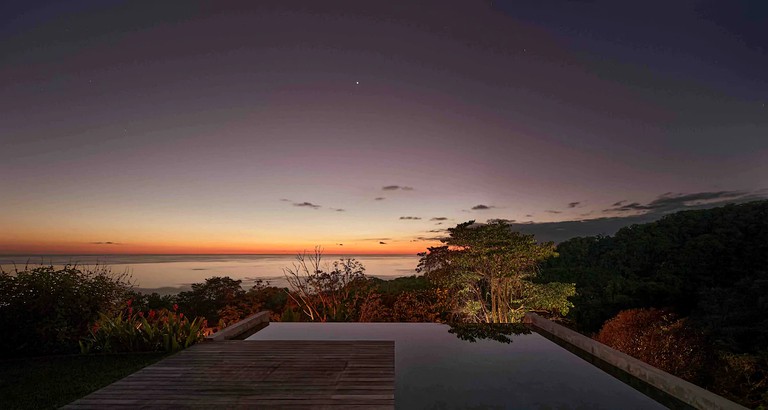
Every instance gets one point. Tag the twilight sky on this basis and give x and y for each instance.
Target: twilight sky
(368, 127)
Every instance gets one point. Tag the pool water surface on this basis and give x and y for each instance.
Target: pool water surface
(437, 369)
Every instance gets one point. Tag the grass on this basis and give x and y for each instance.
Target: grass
(53, 381)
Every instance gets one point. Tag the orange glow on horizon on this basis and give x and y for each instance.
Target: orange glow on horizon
(65, 248)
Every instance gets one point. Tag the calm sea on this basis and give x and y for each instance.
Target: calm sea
(168, 273)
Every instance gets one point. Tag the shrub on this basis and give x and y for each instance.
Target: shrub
(372, 309)
(209, 298)
(430, 305)
(659, 338)
(47, 310)
(742, 378)
(151, 301)
(129, 331)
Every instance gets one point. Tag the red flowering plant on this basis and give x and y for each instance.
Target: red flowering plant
(135, 331)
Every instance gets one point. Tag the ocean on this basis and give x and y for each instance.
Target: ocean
(173, 273)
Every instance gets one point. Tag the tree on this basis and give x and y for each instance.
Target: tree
(489, 270)
(327, 293)
(210, 299)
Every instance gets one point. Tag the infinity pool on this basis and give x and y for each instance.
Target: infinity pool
(437, 369)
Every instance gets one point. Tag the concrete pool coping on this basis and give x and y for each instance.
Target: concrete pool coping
(674, 386)
(241, 329)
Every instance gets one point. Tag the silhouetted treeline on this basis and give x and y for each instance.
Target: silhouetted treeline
(710, 265)
(224, 301)
(705, 272)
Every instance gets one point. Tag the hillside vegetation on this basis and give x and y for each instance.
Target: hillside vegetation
(705, 272)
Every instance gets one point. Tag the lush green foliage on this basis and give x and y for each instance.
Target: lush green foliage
(135, 331)
(489, 271)
(47, 310)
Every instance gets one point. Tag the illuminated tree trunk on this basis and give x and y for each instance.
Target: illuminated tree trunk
(494, 310)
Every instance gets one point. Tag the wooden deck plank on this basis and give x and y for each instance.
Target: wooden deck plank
(241, 374)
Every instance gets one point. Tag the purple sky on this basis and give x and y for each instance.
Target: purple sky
(199, 127)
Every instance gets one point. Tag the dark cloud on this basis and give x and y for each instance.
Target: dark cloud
(500, 220)
(643, 213)
(396, 187)
(382, 243)
(439, 218)
(338, 210)
(429, 238)
(377, 239)
(410, 218)
(339, 244)
(482, 207)
(553, 212)
(439, 223)
(436, 231)
(634, 206)
(672, 202)
(573, 204)
(529, 216)
(306, 205)
(380, 198)
(620, 203)
(104, 243)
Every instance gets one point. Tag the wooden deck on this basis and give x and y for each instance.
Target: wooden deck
(260, 374)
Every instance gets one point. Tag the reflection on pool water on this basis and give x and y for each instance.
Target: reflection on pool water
(436, 369)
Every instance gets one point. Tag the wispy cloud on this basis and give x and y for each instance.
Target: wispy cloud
(379, 198)
(482, 207)
(439, 218)
(573, 204)
(396, 187)
(338, 210)
(551, 211)
(620, 203)
(382, 243)
(410, 218)
(104, 243)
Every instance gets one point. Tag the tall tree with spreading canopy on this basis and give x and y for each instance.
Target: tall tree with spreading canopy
(490, 270)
